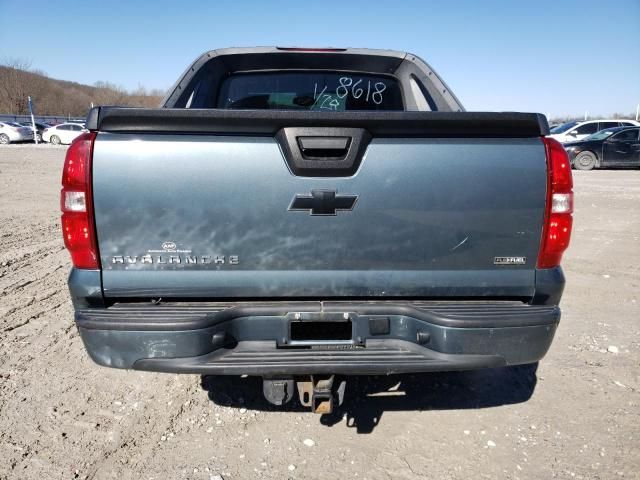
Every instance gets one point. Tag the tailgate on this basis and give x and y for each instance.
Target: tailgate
(228, 215)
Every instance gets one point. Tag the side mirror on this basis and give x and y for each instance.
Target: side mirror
(573, 133)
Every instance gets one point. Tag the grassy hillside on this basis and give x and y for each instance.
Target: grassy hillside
(60, 97)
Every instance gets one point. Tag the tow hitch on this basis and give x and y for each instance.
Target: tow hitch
(320, 392)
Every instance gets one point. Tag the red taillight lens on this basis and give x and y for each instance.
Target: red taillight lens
(77, 205)
(556, 231)
(78, 238)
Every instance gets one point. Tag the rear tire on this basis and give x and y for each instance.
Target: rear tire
(55, 140)
(585, 161)
(4, 139)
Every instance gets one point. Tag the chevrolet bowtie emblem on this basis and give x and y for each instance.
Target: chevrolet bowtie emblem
(322, 202)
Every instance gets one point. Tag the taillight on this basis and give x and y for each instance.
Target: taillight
(556, 231)
(77, 205)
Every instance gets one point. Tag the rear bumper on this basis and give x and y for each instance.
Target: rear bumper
(255, 339)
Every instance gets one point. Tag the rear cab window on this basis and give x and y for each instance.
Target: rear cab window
(315, 91)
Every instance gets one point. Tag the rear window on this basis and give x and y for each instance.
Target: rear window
(321, 91)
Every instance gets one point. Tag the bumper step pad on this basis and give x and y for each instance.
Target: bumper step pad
(379, 357)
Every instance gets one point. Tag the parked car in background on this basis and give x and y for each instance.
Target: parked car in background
(64, 133)
(612, 147)
(572, 131)
(40, 127)
(14, 132)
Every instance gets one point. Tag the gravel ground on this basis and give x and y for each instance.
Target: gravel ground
(576, 416)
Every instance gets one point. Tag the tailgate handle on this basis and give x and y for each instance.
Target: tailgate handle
(323, 151)
(324, 147)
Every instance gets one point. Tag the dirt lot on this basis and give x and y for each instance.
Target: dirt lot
(61, 416)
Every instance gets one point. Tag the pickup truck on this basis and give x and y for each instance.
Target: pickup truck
(303, 215)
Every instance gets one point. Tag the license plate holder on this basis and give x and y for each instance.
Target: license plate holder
(320, 329)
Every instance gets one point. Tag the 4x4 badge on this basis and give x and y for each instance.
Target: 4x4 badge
(322, 202)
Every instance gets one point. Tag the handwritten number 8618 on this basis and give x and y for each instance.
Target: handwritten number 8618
(346, 83)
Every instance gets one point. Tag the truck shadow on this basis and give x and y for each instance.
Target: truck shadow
(367, 398)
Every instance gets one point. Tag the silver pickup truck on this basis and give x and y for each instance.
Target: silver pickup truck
(307, 214)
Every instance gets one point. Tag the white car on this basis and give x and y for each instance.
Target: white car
(14, 132)
(63, 133)
(573, 131)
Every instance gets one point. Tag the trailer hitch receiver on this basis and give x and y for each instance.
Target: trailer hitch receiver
(321, 393)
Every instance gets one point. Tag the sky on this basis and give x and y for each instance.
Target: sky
(554, 57)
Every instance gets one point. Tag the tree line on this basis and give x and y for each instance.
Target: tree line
(59, 97)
